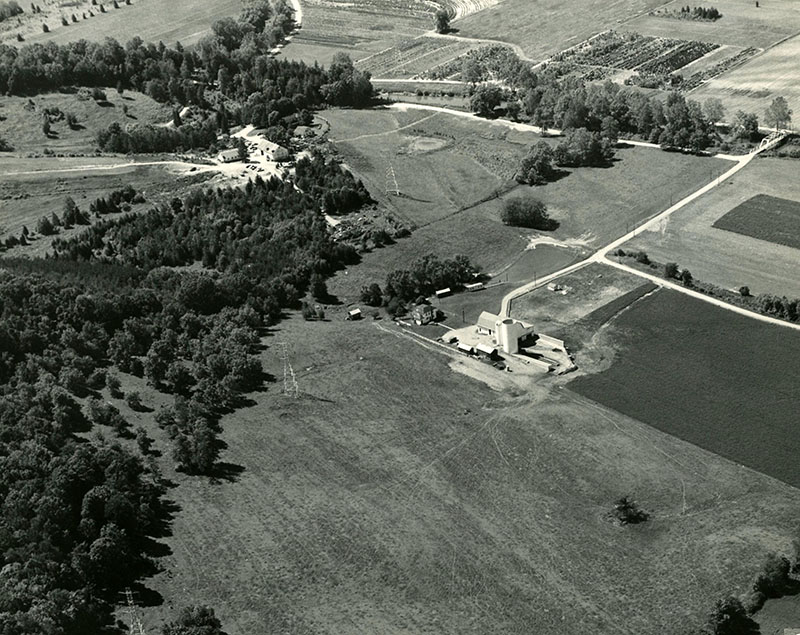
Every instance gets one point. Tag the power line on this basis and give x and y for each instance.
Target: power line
(136, 627)
(290, 386)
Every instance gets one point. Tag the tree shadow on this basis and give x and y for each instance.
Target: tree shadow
(104, 103)
(225, 471)
(412, 198)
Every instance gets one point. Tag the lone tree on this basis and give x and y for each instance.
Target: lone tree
(729, 617)
(537, 167)
(442, 21)
(627, 512)
(527, 212)
(778, 115)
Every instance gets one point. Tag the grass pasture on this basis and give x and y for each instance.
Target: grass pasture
(184, 21)
(717, 379)
(722, 257)
(21, 123)
(549, 26)
(742, 23)
(776, 220)
(752, 86)
(465, 511)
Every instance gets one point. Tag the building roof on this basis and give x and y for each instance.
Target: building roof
(487, 320)
(230, 154)
(485, 348)
(354, 311)
(465, 347)
(444, 291)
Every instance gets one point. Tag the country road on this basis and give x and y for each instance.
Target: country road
(602, 255)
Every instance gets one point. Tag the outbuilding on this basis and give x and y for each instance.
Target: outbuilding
(466, 348)
(443, 293)
(488, 351)
(354, 314)
(228, 156)
(474, 286)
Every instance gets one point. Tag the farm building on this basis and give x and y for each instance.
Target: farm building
(443, 293)
(354, 314)
(423, 314)
(272, 150)
(506, 332)
(475, 286)
(466, 348)
(228, 156)
(488, 351)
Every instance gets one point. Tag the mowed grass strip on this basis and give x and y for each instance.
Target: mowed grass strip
(717, 379)
(776, 220)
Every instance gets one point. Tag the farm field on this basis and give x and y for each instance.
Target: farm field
(21, 119)
(722, 257)
(688, 368)
(455, 514)
(413, 57)
(184, 21)
(360, 29)
(752, 86)
(742, 23)
(776, 220)
(550, 26)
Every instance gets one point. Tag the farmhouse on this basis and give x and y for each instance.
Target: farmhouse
(506, 332)
(273, 151)
(423, 314)
(228, 156)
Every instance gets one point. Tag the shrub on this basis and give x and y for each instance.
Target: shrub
(372, 295)
(671, 270)
(627, 512)
(114, 385)
(744, 291)
(134, 401)
(527, 212)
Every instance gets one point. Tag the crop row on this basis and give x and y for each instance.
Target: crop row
(413, 57)
(678, 57)
(693, 81)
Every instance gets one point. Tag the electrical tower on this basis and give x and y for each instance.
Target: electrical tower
(391, 181)
(133, 615)
(290, 386)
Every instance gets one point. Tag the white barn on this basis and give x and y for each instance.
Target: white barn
(506, 332)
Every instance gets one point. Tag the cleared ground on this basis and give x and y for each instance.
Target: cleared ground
(25, 198)
(712, 377)
(776, 220)
(723, 257)
(184, 21)
(742, 23)
(21, 119)
(546, 27)
(754, 85)
(464, 511)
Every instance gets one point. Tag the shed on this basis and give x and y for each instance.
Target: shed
(443, 293)
(354, 314)
(475, 286)
(489, 351)
(228, 156)
(466, 348)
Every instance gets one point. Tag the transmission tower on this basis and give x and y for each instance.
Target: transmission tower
(290, 386)
(133, 615)
(391, 181)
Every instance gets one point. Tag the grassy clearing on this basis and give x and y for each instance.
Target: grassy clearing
(752, 86)
(776, 220)
(24, 199)
(604, 203)
(463, 511)
(552, 25)
(588, 289)
(184, 21)
(742, 23)
(21, 120)
(712, 377)
(724, 258)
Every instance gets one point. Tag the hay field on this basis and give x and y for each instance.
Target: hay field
(752, 86)
(722, 257)
(545, 27)
(742, 23)
(184, 21)
(463, 511)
